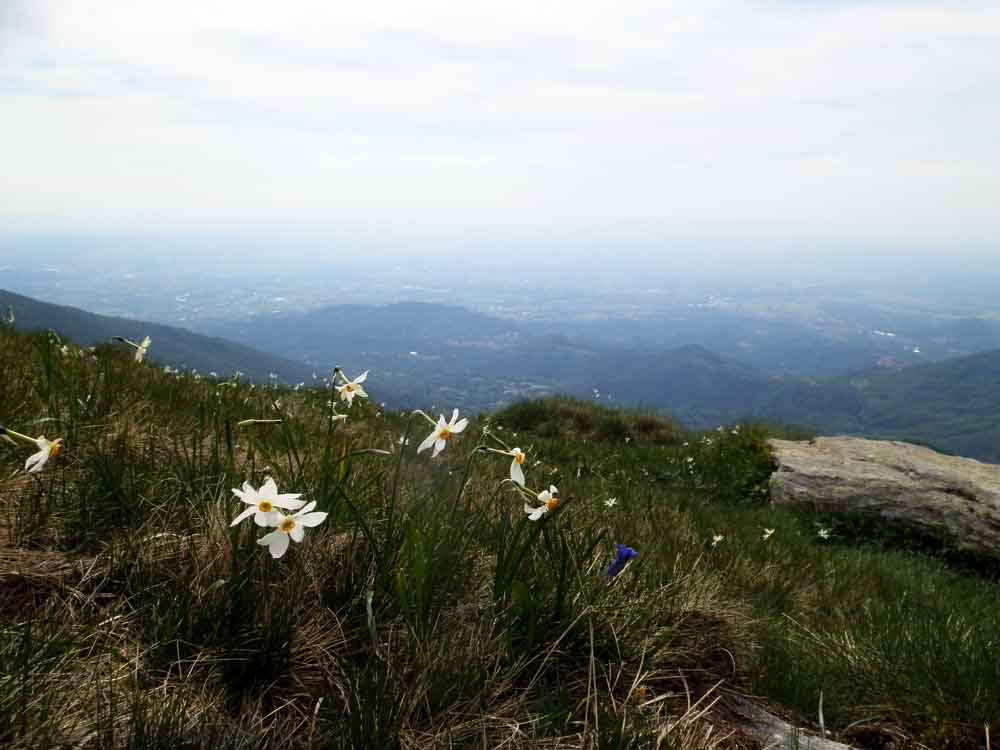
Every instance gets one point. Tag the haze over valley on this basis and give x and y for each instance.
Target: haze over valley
(781, 313)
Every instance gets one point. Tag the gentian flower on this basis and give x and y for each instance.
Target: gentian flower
(290, 526)
(264, 503)
(622, 555)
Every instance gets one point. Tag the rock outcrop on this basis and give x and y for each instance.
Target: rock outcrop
(955, 500)
(776, 734)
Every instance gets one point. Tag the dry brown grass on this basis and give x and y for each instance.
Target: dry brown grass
(669, 689)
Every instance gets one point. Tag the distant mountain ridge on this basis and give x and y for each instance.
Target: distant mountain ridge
(174, 346)
(440, 356)
(841, 343)
(428, 354)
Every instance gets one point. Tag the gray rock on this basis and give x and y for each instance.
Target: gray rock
(956, 500)
(775, 734)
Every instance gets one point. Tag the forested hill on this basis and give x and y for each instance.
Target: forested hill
(170, 346)
(952, 405)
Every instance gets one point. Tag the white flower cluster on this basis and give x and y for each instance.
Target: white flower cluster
(264, 507)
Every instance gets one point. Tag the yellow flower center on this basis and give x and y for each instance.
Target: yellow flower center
(519, 457)
(54, 450)
(287, 525)
(552, 502)
(349, 387)
(445, 433)
(265, 506)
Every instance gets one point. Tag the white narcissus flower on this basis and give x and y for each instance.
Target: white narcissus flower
(516, 472)
(824, 533)
(611, 502)
(443, 432)
(264, 503)
(46, 449)
(767, 534)
(352, 388)
(293, 526)
(549, 499)
(140, 350)
(716, 538)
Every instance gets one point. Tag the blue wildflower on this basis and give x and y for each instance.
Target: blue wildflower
(622, 555)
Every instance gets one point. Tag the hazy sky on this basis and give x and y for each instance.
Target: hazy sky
(871, 121)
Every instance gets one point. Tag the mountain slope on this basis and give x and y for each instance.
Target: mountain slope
(174, 346)
(953, 405)
(416, 604)
(427, 354)
(696, 386)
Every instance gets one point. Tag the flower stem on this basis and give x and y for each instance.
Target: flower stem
(26, 438)
(425, 416)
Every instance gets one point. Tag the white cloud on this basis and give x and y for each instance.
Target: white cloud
(857, 120)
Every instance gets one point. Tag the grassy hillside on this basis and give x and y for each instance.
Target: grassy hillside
(171, 346)
(427, 610)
